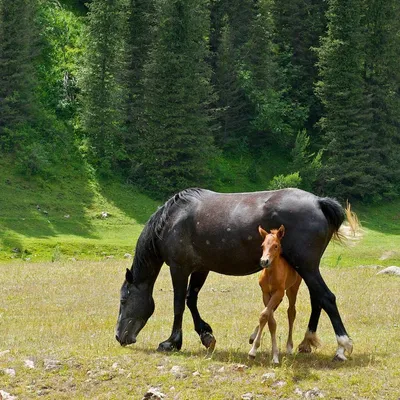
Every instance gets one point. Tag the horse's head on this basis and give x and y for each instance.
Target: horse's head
(271, 245)
(137, 306)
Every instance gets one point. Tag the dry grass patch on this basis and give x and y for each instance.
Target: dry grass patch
(59, 318)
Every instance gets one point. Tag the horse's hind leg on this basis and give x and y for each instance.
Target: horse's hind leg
(204, 330)
(327, 300)
(310, 338)
(179, 282)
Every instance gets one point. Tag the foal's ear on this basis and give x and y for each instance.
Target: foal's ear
(129, 276)
(281, 232)
(262, 232)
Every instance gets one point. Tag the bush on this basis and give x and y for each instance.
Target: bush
(285, 181)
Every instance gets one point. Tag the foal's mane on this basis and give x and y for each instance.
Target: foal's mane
(146, 247)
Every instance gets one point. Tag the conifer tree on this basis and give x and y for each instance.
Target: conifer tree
(137, 31)
(350, 159)
(18, 50)
(176, 141)
(101, 118)
(382, 80)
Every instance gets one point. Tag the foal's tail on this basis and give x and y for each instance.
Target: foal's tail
(336, 214)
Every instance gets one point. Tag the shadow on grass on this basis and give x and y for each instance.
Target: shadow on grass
(301, 364)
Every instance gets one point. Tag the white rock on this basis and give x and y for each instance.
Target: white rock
(247, 396)
(313, 394)
(4, 352)
(268, 376)
(6, 396)
(279, 384)
(10, 372)
(29, 364)
(393, 270)
(178, 372)
(153, 394)
(196, 373)
(50, 365)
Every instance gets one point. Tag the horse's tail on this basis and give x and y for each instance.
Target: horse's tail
(336, 214)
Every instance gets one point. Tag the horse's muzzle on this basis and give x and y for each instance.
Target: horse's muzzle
(264, 263)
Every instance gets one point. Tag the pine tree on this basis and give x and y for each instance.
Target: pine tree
(382, 79)
(299, 24)
(176, 142)
(18, 50)
(137, 32)
(350, 159)
(101, 118)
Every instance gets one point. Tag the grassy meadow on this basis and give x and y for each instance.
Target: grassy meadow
(57, 335)
(61, 267)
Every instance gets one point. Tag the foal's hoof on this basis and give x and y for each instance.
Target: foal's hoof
(168, 346)
(208, 340)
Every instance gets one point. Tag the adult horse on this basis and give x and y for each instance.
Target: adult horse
(197, 231)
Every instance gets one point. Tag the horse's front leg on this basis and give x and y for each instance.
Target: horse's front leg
(204, 330)
(179, 281)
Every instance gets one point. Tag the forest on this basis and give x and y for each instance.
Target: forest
(155, 91)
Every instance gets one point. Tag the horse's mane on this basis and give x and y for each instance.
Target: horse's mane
(146, 247)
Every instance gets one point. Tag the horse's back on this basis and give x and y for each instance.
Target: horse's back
(219, 232)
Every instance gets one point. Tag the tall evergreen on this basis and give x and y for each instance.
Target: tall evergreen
(176, 141)
(137, 31)
(101, 94)
(382, 80)
(18, 51)
(350, 158)
(299, 24)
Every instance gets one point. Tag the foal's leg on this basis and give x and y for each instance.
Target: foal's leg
(327, 300)
(291, 294)
(273, 303)
(272, 330)
(204, 330)
(179, 282)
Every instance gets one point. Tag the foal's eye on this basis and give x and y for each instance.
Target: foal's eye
(276, 246)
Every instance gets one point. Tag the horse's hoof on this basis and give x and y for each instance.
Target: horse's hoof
(339, 357)
(251, 356)
(167, 346)
(304, 349)
(208, 340)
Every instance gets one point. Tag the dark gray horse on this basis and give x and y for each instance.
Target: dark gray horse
(197, 231)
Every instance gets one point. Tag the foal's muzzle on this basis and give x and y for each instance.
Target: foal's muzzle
(264, 263)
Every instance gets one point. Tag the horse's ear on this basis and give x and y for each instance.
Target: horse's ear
(263, 233)
(129, 276)
(281, 232)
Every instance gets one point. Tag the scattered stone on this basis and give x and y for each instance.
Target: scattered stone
(115, 365)
(298, 392)
(153, 394)
(16, 250)
(104, 214)
(393, 270)
(109, 257)
(278, 384)
(128, 255)
(268, 376)
(9, 372)
(247, 396)
(196, 373)
(313, 394)
(4, 352)
(67, 216)
(29, 364)
(178, 372)
(239, 367)
(388, 254)
(221, 370)
(6, 396)
(51, 365)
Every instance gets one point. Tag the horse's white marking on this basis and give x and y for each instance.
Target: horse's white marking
(345, 344)
(228, 229)
(249, 237)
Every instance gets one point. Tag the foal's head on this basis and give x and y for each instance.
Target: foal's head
(271, 245)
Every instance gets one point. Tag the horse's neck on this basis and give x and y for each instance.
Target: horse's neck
(144, 272)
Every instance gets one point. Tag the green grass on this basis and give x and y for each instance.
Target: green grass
(66, 312)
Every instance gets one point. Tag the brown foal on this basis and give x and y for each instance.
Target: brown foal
(276, 277)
